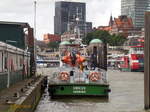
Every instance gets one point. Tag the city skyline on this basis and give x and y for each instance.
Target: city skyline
(98, 12)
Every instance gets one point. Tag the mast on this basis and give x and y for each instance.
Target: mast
(68, 25)
(77, 29)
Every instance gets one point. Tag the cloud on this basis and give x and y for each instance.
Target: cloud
(98, 12)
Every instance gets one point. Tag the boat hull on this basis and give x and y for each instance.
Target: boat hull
(79, 90)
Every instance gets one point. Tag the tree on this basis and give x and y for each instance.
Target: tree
(102, 35)
(117, 40)
(88, 38)
(97, 34)
(113, 40)
(54, 45)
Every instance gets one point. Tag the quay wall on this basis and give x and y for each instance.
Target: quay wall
(29, 102)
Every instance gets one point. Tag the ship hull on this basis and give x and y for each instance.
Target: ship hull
(79, 90)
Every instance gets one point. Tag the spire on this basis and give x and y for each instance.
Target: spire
(111, 20)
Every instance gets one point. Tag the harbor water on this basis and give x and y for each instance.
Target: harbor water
(127, 95)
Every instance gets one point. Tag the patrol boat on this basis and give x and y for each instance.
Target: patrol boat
(80, 75)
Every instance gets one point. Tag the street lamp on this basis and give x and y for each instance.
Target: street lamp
(8, 71)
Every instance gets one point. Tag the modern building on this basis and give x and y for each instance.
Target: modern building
(88, 27)
(51, 38)
(135, 9)
(66, 15)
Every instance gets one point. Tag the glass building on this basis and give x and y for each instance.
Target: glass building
(66, 14)
(135, 9)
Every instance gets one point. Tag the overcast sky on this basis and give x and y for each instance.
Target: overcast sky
(98, 12)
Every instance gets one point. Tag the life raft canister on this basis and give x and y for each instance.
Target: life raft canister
(64, 76)
(94, 76)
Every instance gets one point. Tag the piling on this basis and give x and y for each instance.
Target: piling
(147, 62)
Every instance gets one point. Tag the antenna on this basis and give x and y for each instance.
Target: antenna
(77, 24)
(68, 25)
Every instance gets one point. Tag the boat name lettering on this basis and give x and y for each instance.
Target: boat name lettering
(79, 89)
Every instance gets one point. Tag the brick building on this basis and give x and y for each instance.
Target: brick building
(122, 25)
(105, 28)
(51, 38)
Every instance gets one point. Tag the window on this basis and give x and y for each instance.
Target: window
(1, 63)
(5, 63)
(21, 62)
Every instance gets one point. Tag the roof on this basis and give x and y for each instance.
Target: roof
(95, 41)
(105, 28)
(70, 2)
(9, 47)
(65, 43)
(23, 24)
(123, 22)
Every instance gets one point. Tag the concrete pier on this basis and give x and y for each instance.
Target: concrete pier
(22, 97)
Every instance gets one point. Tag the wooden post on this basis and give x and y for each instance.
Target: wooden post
(147, 62)
(31, 44)
(105, 56)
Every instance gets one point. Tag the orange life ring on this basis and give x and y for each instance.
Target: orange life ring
(94, 76)
(64, 76)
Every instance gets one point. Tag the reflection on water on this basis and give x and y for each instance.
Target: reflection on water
(70, 104)
(127, 95)
(81, 100)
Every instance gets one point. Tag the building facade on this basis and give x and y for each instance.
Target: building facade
(18, 32)
(66, 14)
(135, 9)
(51, 38)
(67, 36)
(122, 25)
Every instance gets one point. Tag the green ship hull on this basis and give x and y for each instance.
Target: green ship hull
(79, 90)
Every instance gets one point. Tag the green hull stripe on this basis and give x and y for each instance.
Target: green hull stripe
(79, 89)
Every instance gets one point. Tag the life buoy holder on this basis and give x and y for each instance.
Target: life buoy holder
(64, 76)
(94, 76)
